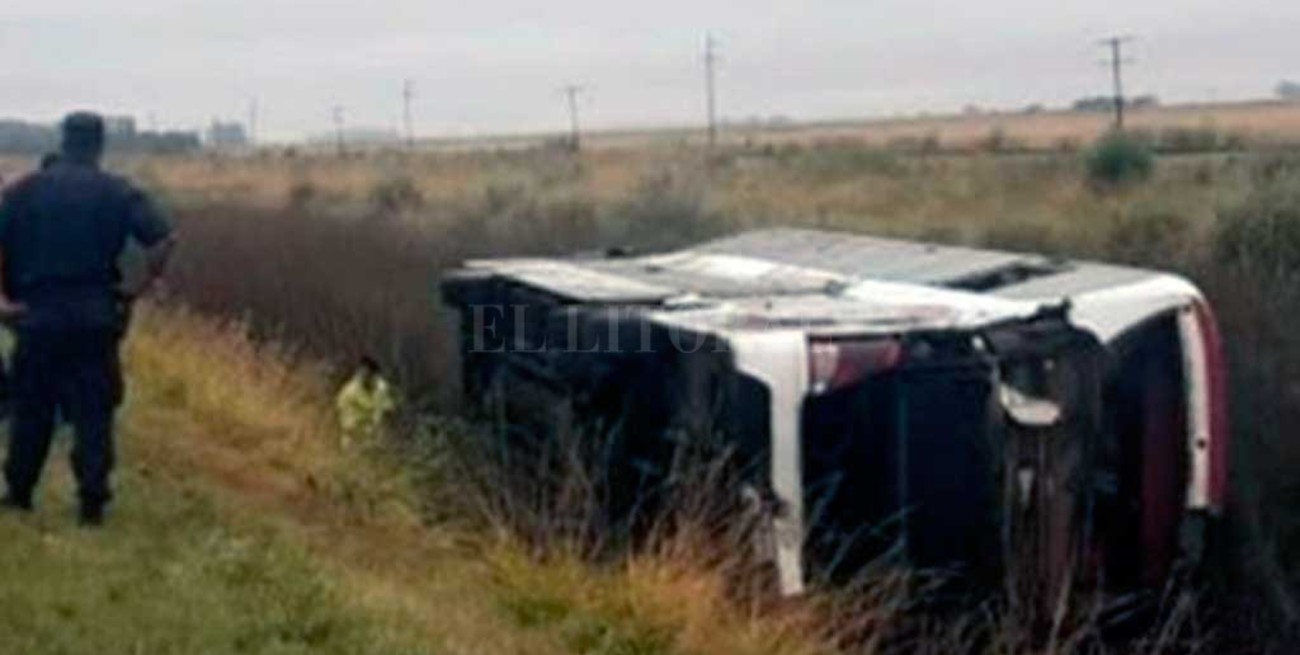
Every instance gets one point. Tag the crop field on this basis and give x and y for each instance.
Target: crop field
(1184, 126)
(1255, 122)
(331, 257)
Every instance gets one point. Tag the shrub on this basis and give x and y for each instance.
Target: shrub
(1022, 235)
(1262, 233)
(1197, 140)
(1066, 144)
(1205, 174)
(1189, 139)
(1151, 235)
(997, 141)
(531, 220)
(837, 160)
(339, 288)
(668, 208)
(1119, 158)
(1252, 281)
(395, 195)
(928, 143)
(1276, 166)
(302, 194)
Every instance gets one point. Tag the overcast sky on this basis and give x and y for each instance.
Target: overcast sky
(490, 66)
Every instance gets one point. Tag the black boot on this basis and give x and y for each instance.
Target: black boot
(91, 515)
(17, 502)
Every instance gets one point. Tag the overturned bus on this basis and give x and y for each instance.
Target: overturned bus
(1006, 416)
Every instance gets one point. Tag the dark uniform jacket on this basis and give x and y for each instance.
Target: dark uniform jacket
(63, 231)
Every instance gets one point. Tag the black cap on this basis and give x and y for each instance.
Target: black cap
(83, 133)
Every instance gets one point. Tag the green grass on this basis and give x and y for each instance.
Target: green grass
(171, 574)
(583, 630)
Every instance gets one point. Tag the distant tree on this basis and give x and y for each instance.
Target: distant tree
(1106, 104)
(1095, 103)
(1288, 90)
(1144, 102)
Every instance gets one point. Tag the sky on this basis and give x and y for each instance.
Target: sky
(495, 66)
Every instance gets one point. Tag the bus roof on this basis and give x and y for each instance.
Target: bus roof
(790, 262)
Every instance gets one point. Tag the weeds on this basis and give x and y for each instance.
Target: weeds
(668, 208)
(395, 195)
(1147, 230)
(1262, 235)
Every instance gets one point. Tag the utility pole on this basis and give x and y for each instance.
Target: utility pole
(408, 95)
(1117, 60)
(338, 129)
(710, 86)
(572, 92)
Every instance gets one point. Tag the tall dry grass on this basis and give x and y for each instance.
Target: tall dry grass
(358, 275)
(217, 410)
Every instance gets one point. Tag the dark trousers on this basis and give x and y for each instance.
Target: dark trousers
(73, 373)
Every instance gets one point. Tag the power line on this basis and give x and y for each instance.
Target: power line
(711, 59)
(1117, 60)
(572, 92)
(408, 124)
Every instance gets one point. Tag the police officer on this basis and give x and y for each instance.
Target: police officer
(62, 231)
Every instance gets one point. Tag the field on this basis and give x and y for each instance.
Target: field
(330, 257)
(1254, 122)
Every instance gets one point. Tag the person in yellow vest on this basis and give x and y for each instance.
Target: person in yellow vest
(365, 404)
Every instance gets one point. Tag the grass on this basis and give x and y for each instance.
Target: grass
(243, 526)
(172, 575)
(236, 530)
